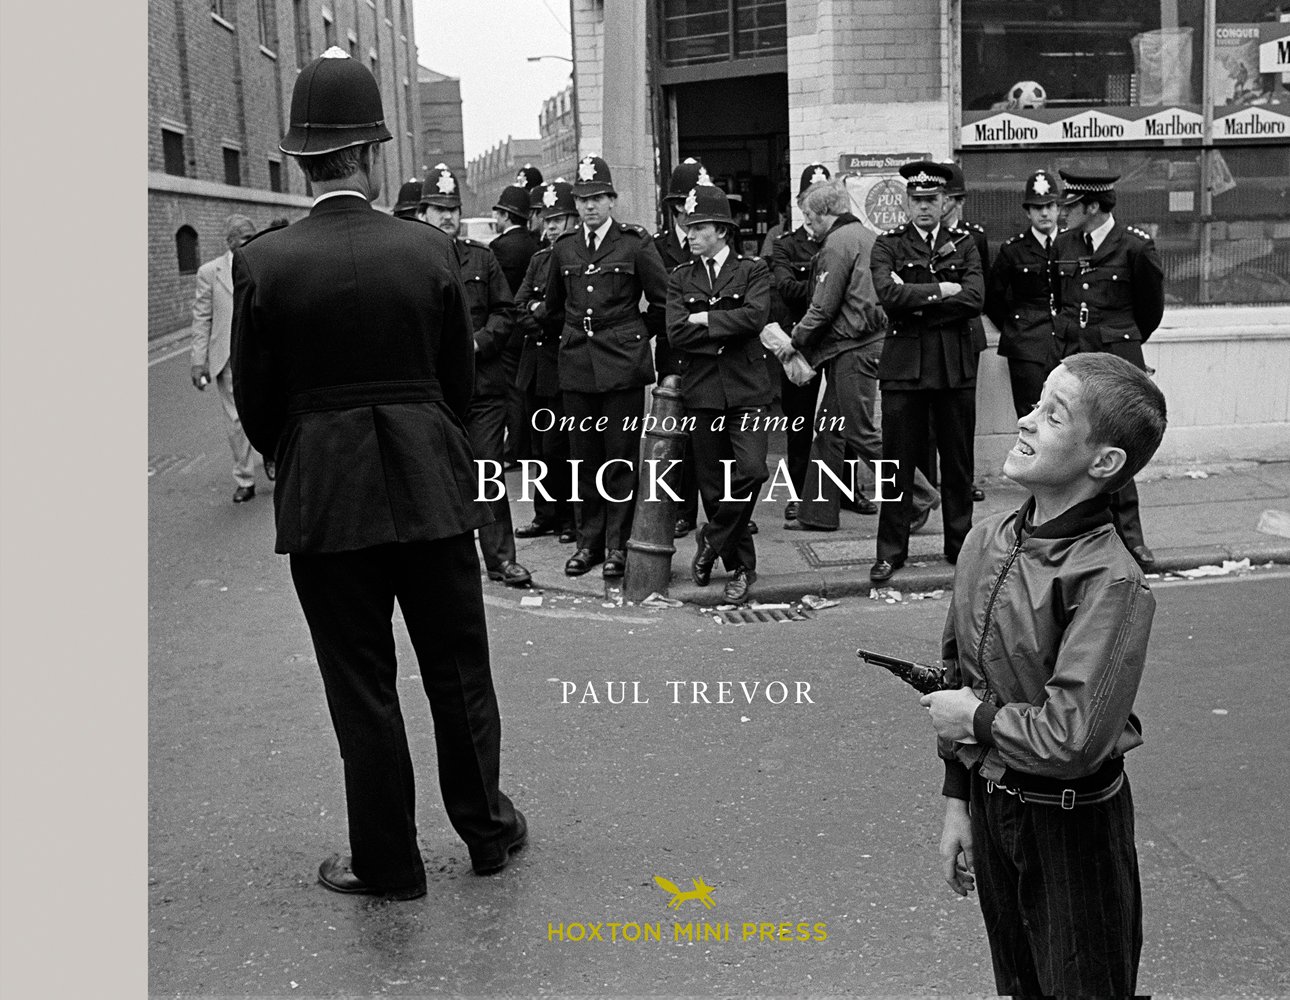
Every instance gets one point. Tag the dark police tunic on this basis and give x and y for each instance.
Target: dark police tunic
(1019, 301)
(1111, 300)
(927, 373)
(792, 257)
(513, 250)
(355, 375)
(605, 361)
(673, 254)
(724, 374)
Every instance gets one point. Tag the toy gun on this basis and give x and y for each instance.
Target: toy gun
(919, 676)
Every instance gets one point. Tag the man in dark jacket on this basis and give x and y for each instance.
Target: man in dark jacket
(514, 246)
(928, 279)
(356, 375)
(490, 301)
(842, 335)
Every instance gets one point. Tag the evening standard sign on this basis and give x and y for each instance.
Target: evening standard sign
(1089, 125)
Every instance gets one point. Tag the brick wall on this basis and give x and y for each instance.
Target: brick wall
(588, 54)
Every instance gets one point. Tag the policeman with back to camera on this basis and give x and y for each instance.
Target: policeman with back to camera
(791, 258)
(1019, 295)
(490, 302)
(928, 279)
(673, 245)
(1109, 290)
(717, 304)
(355, 374)
(409, 200)
(514, 246)
(539, 374)
(598, 274)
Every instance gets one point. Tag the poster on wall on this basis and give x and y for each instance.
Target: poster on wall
(877, 190)
(1248, 70)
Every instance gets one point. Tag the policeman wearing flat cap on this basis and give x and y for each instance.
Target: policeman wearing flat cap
(1019, 294)
(409, 200)
(599, 272)
(792, 256)
(539, 371)
(1109, 288)
(488, 296)
(673, 245)
(928, 278)
(717, 304)
(356, 375)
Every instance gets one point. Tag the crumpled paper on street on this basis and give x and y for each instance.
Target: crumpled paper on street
(775, 340)
(817, 603)
(1229, 566)
(1274, 522)
(657, 600)
(927, 595)
(889, 594)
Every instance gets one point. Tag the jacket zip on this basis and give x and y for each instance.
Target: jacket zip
(989, 609)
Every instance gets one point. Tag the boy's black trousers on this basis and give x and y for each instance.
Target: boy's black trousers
(1059, 893)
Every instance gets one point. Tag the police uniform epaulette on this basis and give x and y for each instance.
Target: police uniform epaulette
(1138, 232)
(1013, 239)
(898, 230)
(631, 227)
(565, 236)
(679, 266)
(474, 243)
(972, 225)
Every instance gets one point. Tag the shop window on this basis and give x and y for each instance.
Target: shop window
(706, 31)
(1030, 55)
(186, 250)
(1249, 258)
(1250, 72)
(172, 149)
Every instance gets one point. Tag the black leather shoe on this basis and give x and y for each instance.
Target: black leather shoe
(704, 556)
(790, 511)
(494, 863)
(243, 493)
(581, 561)
(683, 527)
(861, 505)
(568, 534)
(882, 570)
(512, 574)
(752, 528)
(615, 564)
(737, 586)
(1145, 557)
(803, 526)
(535, 529)
(270, 469)
(978, 494)
(335, 873)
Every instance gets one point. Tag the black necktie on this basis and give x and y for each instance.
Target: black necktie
(591, 241)
(685, 245)
(712, 273)
(1048, 246)
(1088, 243)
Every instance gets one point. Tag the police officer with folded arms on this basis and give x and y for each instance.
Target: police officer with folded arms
(514, 246)
(1019, 295)
(490, 302)
(356, 373)
(717, 304)
(599, 272)
(791, 258)
(539, 371)
(928, 278)
(1109, 287)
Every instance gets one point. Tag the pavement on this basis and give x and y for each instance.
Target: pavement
(1193, 516)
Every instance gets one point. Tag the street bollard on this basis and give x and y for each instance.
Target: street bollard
(650, 549)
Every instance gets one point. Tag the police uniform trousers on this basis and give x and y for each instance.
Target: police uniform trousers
(519, 431)
(486, 428)
(602, 523)
(907, 415)
(1060, 893)
(745, 443)
(798, 403)
(846, 429)
(348, 600)
(551, 447)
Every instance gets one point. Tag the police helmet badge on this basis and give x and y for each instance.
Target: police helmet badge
(549, 197)
(587, 169)
(692, 201)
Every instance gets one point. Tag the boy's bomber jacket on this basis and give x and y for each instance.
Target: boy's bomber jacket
(1048, 626)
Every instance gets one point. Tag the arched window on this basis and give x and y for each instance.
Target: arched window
(186, 250)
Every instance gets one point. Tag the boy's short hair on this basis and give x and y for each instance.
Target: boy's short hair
(1125, 409)
(830, 198)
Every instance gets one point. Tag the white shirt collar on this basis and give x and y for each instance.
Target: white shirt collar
(934, 233)
(1041, 237)
(1099, 234)
(720, 257)
(338, 194)
(600, 232)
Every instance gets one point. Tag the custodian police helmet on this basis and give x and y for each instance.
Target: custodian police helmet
(528, 177)
(514, 200)
(815, 173)
(556, 199)
(441, 188)
(708, 203)
(335, 104)
(685, 175)
(593, 178)
(1041, 189)
(409, 195)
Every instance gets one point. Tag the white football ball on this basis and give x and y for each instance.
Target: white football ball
(1026, 94)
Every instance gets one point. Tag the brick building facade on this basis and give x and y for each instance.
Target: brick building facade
(489, 172)
(559, 134)
(220, 74)
(441, 129)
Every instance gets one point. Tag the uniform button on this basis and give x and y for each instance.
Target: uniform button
(1016, 316)
(1086, 286)
(592, 288)
(1115, 277)
(588, 312)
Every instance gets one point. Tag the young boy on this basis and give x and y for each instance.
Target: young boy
(1047, 635)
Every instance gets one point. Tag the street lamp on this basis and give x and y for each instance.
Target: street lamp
(539, 58)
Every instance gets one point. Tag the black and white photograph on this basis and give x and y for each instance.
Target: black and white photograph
(680, 498)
